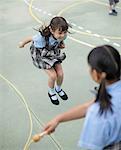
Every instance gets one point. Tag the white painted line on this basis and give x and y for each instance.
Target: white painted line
(26, 2)
(116, 44)
(39, 10)
(44, 12)
(54, 16)
(35, 8)
(97, 35)
(49, 14)
(105, 39)
(80, 27)
(81, 42)
(73, 24)
(88, 31)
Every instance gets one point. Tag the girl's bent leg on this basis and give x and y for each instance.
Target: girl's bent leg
(51, 83)
(52, 77)
(60, 75)
(59, 81)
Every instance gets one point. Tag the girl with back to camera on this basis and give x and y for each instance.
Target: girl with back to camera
(102, 126)
(46, 54)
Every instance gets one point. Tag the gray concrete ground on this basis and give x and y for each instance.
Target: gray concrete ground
(91, 26)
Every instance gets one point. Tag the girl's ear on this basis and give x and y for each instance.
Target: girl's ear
(101, 76)
(96, 75)
(51, 30)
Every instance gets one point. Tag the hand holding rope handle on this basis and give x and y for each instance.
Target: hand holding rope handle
(38, 137)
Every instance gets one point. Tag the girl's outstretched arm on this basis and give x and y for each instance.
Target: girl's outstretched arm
(72, 114)
(25, 41)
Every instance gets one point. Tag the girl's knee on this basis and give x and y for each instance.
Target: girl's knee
(53, 76)
(60, 74)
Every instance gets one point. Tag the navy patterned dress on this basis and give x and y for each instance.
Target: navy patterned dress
(45, 52)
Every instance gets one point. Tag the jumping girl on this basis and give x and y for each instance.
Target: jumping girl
(46, 54)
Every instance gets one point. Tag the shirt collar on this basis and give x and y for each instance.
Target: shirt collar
(114, 85)
(52, 38)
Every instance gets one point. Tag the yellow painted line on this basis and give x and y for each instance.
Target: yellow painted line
(70, 6)
(100, 36)
(102, 3)
(31, 13)
(29, 110)
(26, 106)
(85, 33)
(38, 20)
(56, 143)
(40, 123)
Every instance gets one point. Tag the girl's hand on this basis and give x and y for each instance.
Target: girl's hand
(21, 45)
(61, 46)
(51, 126)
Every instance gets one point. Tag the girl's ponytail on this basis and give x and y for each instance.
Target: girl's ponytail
(103, 98)
(45, 31)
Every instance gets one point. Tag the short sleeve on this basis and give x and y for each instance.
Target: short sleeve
(36, 37)
(95, 133)
(39, 41)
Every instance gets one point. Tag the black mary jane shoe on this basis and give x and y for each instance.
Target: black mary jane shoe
(55, 102)
(113, 13)
(63, 97)
(113, 10)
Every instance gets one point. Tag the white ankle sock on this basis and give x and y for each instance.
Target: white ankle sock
(113, 7)
(52, 92)
(110, 11)
(58, 88)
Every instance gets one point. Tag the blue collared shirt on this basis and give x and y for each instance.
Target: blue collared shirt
(100, 131)
(39, 40)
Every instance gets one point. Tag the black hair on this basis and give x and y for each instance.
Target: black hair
(56, 23)
(105, 59)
